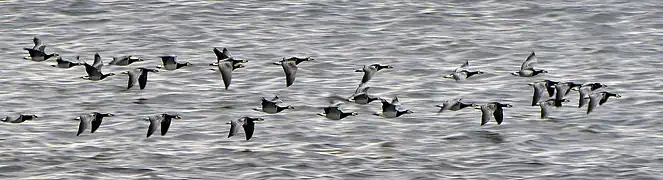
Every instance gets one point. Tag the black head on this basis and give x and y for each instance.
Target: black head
(595, 86)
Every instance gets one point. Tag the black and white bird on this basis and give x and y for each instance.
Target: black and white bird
(599, 98)
(493, 109)
(587, 89)
(545, 106)
(125, 60)
(94, 70)
(271, 106)
(138, 75)
(66, 64)
(290, 68)
(38, 52)
(392, 109)
(453, 105)
(461, 73)
(561, 90)
(361, 95)
(21, 118)
(227, 64)
(527, 68)
(91, 120)
(169, 63)
(370, 70)
(334, 112)
(247, 123)
(163, 121)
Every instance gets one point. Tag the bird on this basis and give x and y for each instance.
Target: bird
(545, 106)
(247, 123)
(290, 68)
(585, 90)
(169, 63)
(599, 98)
(461, 73)
(94, 70)
(140, 75)
(539, 91)
(494, 109)
(93, 119)
(125, 60)
(361, 95)
(392, 109)
(370, 70)
(227, 64)
(38, 53)
(527, 68)
(453, 105)
(21, 118)
(271, 106)
(162, 120)
(562, 89)
(334, 112)
(66, 64)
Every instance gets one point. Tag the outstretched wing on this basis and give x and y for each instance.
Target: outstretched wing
(290, 69)
(154, 124)
(485, 114)
(84, 121)
(133, 77)
(498, 112)
(226, 69)
(529, 63)
(98, 63)
(222, 55)
(234, 127)
(248, 126)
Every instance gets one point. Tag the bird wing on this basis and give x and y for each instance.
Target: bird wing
(154, 124)
(561, 88)
(545, 108)
(604, 99)
(84, 120)
(165, 124)
(41, 48)
(583, 94)
(498, 112)
(248, 126)
(234, 127)
(98, 63)
(168, 60)
(96, 122)
(485, 114)
(37, 42)
(222, 55)
(133, 77)
(91, 70)
(369, 71)
(34, 52)
(539, 92)
(142, 79)
(290, 69)
(594, 101)
(529, 62)
(226, 69)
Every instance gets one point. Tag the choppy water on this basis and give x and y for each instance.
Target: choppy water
(614, 42)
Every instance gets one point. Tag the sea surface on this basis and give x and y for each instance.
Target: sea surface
(615, 42)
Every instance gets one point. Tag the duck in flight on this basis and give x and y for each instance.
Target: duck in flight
(370, 70)
(66, 64)
(462, 73)
(125, 60)
(227, 64)
(545, 106)
(169, 63)
(247, 123)
(453, 105)
(361, 95)
(271, 106)
(392, 109)
(527, 68)
(138, 75)
(587, 89)
(94, 70)
(290, 68)
(599, 98)
(540, 89)
(21, 118)
(38, 52)
(93, 120)
(334, 112)
(561, 90)
(163, 121)
(492, 109)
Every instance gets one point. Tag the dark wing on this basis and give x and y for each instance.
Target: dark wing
(594, 101)
(168, 60)
(498, 112)
(538, 93)
(248, 126)
(37, 42)
(98, 63)
(96, 122)
(290, 69)
(142, 81)
(91, 70)
(222, 55)
(226, 69)
(529, 63)
(604, 99)
(34, 53)
(165, 124)
(41, 48)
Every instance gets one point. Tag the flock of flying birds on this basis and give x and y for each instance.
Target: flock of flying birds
(547, 93)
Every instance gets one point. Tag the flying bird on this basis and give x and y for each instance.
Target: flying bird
(94, 70)
(392, 109)
(93, 120)
(527, 68)
(247, 123)
(227, 64)
(169, 63)
(290, 68)
(138, 75)
(66, 64)
(21, 118)
(562, 89)
(493, 109)
(585, 90)
(162, 120)
(462, 73)
(361, 95)
(334, 112)
(125, 60)
(453, 105)
(370, 70)
(271, 106)
(599, 98)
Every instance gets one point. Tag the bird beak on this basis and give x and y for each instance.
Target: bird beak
(618, 96)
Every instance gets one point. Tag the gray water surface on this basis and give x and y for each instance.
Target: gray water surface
(619, 43)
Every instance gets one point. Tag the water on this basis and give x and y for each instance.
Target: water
(618, 43)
